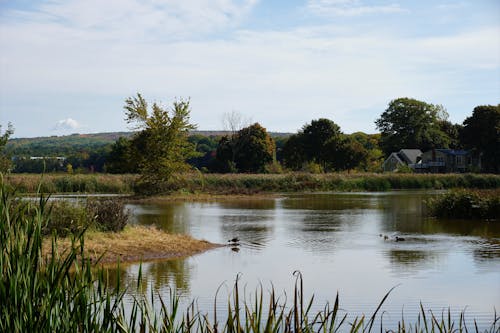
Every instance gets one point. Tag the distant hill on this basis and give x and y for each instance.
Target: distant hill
(70, 144)
(61, 145)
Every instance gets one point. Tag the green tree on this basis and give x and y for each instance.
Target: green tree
(251, 149)
(316, 142)
(481, 134)
(349, 154)
(375, 156)
(452, 131)
(163, 135)
(123, 157)
(5, 162)
(254, 149)
(293, 152)
(321, 139)
(409, 123)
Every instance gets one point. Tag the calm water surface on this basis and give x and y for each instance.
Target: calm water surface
(334, 240)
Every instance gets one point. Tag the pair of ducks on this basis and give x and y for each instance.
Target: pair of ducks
(397, 238)
(234, 243)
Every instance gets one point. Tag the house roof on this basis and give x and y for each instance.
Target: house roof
(455, 152)
(409, 155)
(398, 158)
(395, 155)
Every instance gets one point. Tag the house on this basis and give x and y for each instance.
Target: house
(446, 160)
(405, 157)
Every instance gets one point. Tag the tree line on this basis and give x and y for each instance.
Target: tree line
(162, 144)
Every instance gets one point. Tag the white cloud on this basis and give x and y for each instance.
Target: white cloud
(350, 8)
(67, 124)
(127, 20)
(282, 78)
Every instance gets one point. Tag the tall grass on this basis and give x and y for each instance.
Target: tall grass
(68, 293)
(65, 183)
(299, 182)
(48, 295)
(197, 182)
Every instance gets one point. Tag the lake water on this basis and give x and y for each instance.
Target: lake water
(334, 240)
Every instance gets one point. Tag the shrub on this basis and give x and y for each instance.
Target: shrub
(107, 214)
(467, 204)
(70, 218)
(64, 217)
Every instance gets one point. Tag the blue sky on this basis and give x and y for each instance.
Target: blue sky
(66, 66)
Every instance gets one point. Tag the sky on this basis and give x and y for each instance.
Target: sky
(67, 66)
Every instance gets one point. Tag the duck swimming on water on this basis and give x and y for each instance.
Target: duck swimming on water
(233, 240)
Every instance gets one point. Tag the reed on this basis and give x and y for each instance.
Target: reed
(197, 182)
(300, 182)
(77, 183)
(56, 294)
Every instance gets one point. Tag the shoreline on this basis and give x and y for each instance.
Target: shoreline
(133, 244)
(206, 185)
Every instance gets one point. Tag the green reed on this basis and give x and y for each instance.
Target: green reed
(197, 182)
(68, 293)
(300, 182)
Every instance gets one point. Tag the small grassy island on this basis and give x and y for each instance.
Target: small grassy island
(133, 244)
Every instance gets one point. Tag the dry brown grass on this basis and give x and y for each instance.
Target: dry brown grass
(134, 243)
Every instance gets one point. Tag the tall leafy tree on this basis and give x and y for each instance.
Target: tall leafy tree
(123, 157)
(249, 150)
(410, 123)
(316, 142)
(4, 159)
(293, 152)
(452, 131)
(321, 138)
(481, 133)
(349, 154)
(163, 134)
(224, 154)
(375, 156)
(254, 149)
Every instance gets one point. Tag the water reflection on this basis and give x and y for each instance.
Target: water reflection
(172, 217)
(156, 274)
(249, 227)
(334, 240)
(411, 261)
(327, 201)
(249, 204)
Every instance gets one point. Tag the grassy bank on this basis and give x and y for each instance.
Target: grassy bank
(467, 204)
(249, 183)
(67, 292)
(300, 182)
(77, 183)
(133, 244)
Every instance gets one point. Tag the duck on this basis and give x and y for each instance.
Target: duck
(233, 240)
(399, 239)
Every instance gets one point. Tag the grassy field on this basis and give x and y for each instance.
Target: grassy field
(248, 183)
